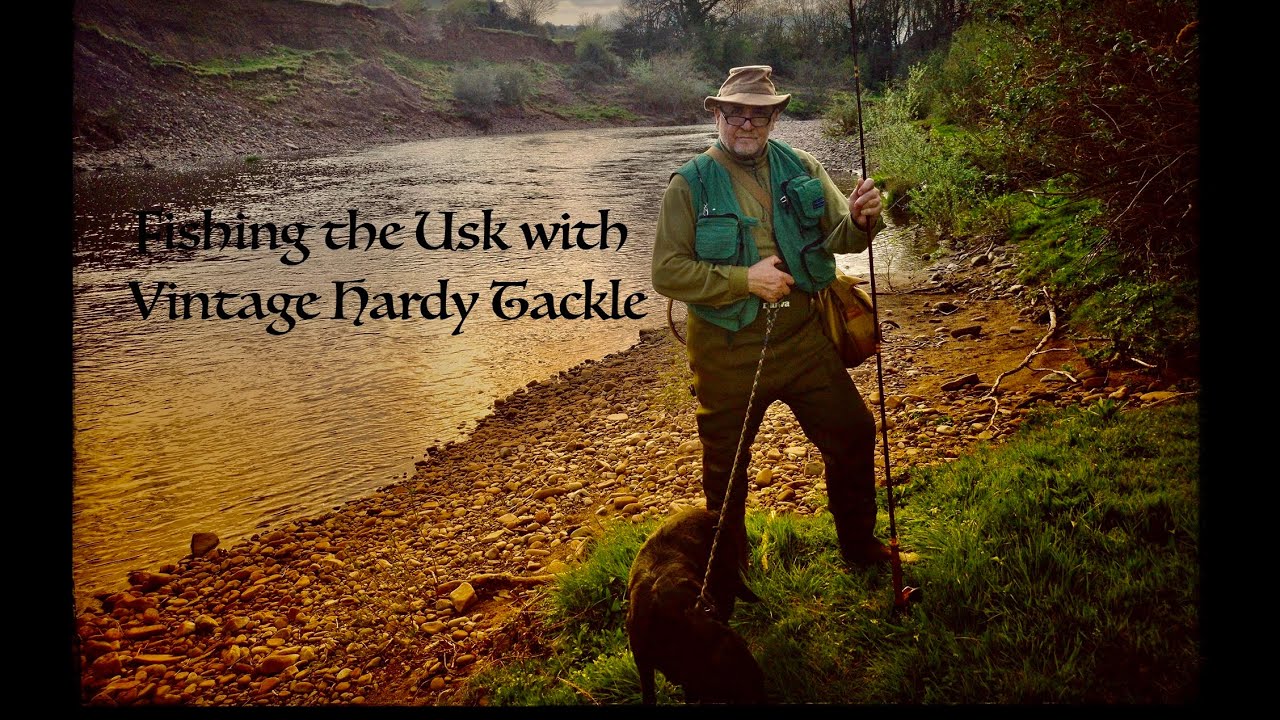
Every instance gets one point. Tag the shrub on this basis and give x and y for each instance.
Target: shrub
(475, 90)
(513, 84)
(947, 191)
(669, 83)
(596, 63)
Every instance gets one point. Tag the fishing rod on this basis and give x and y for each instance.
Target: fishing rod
(901, 595)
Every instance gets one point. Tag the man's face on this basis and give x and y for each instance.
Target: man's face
(746, 140)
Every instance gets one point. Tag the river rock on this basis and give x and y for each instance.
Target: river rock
(617, 417)
(814, 468)
(107, 666)
(158, 659)
(960, 332)
(764, 478)
(463, 596)
(945, 308)
(1156, 396)
(146, 631)
(149, 581)
(203, 543)
(94, 649)
(275, 664)
(960, 382)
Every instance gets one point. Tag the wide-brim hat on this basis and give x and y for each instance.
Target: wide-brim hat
(749, 85)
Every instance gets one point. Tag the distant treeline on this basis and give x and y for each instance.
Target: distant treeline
(805, 40)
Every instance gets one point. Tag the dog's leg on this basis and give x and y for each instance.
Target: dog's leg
(647, 694)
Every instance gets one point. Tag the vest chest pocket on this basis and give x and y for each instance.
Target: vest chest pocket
(805, 199)
(716, 239)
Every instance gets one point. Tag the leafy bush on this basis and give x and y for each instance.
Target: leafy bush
(475, 90)
(463, 13)
(669, 83)
(513, 84)
(946, 190)
(802, 108)
(596, 63)
(840, 119)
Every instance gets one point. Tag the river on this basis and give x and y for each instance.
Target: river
(188, 425)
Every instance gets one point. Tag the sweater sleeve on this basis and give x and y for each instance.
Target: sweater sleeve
(842, 235)
(676, 272)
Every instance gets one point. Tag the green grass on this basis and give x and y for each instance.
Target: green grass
(280, 59)
(591, 112)
(1064, 248)
(434, 78)
(1060, 567)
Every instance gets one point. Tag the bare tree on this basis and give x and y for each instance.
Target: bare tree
(532, 12)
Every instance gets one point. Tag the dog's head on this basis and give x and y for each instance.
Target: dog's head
(726, 671)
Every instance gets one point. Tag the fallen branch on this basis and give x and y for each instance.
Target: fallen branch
(494, 581)
(1053, 329)
(1063, 373)
(1171, 398)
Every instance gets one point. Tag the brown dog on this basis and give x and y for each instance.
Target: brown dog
(669, 631)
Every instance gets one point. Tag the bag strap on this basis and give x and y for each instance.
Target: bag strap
(748, 181)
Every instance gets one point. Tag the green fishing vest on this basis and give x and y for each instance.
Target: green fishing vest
(723, 232)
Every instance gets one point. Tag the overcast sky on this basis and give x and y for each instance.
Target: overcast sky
(568, 11)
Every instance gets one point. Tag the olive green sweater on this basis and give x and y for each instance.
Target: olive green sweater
(679, 275)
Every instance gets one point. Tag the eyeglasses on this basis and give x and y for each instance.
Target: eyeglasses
(756, 121)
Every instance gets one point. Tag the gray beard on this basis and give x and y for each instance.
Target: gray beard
(764, 148)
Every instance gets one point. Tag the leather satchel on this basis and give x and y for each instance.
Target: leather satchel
(848, 319)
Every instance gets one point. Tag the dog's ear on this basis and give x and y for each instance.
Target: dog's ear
(674, 593)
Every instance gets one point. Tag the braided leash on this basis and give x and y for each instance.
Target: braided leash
(704, 597)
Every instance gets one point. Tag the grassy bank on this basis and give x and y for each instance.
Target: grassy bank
(1060, 567)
